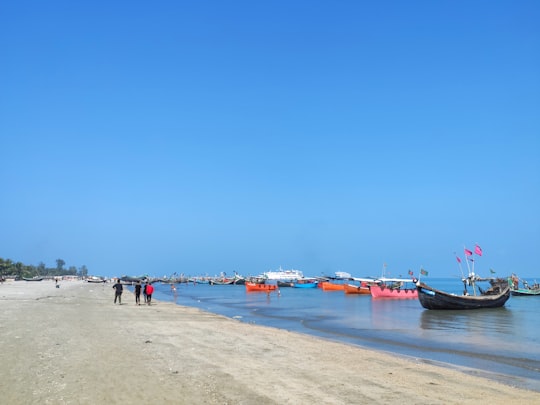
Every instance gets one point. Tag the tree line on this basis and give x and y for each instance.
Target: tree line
(20, 270)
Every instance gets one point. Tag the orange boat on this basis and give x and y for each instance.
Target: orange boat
(328, 286)
(356, 289)
(253, 287)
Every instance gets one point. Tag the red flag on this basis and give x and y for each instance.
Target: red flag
(478, 250)
(458, 259)
(467, 252)
(410, 273)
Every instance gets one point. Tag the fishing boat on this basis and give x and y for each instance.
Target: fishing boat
(281, 283)
(239, 279)
(32, 278)
(473, 296)
(255, 287)
(221, 281)
(493, 297)
(396, 288)
(329, 286)
(96, 279)
(356, 289)
(305, 283)
(124, 279)
(524, 291)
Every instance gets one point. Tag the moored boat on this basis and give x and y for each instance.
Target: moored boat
(524, 291)
(329, 286)
(254, 287)
(96, 279)
(283, 275)
(395, 288)
(494, 297)
(305, 283)
(281, 283)
(356, 289)
(473, 297)
(32, 278)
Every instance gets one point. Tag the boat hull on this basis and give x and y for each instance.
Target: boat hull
(431, 298)
(253, 287)
(356, 289)
(305, 285)
(382, 291)
(327, 286)
(284, 283)
(522, 292)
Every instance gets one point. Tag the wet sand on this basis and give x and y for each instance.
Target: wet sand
(72, 345)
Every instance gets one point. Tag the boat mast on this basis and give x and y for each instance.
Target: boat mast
(472, 276)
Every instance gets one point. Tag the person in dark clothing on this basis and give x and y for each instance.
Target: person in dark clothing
(119, 289)
(144, 293)
(138, 293)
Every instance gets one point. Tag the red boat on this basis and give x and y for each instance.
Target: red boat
(393, 288)
(254, 287)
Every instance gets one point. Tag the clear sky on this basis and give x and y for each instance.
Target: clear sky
(218, 136)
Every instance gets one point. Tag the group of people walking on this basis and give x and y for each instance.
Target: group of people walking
(147, 290)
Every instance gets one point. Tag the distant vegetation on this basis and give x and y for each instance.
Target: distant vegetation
(20, 270)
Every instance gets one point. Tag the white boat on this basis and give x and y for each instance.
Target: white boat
(283, 275)
(96, 279)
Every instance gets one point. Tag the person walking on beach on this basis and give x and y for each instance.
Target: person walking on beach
(144, 292)
(138, 293)
(119, 289)
(149, 291)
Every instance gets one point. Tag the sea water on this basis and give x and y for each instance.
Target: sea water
(501, 343)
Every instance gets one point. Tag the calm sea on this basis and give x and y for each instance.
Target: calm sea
(502, 343)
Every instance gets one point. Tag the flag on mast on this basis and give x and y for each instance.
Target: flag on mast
(467, 252)
(478, 250)
(458, 259)
(423, 272)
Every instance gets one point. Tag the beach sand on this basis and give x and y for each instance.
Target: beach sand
(72, 345)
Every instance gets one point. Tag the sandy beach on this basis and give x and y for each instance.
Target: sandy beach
(72, 345)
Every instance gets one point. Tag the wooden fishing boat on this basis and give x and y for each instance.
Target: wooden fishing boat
(526, 290)
(494, 297)
(356, 289)
(255, 287)
(281, 283)
(32, 278)
(95, 279)
(305, 283)
(395, 288)
(221, 281)
(328, 286)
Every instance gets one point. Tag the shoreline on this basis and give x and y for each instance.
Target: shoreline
(73, 345)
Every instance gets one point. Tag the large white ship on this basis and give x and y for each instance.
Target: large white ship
(283, 275)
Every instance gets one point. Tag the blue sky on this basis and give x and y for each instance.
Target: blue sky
(206, 137)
